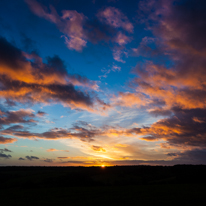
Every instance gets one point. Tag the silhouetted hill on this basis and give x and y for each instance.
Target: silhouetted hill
(116, 186)
(30, 177)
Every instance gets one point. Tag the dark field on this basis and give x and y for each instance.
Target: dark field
(119, 185)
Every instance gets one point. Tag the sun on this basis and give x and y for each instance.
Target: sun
(102, 166)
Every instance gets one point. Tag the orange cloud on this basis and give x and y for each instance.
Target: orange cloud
(128, 99)
(121, 145)
(51, 150)
(34, 81)
(4, 140)
(98, 148)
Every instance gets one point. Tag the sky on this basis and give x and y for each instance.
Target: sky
(102, 82)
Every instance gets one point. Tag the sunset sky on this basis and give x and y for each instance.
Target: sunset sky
(102, 82)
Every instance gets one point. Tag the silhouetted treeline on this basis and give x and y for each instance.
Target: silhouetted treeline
(36, 177)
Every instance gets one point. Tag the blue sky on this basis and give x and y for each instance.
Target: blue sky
(102, 82)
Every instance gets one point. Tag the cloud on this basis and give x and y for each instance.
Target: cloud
(77, 160)
(70, 23)
(116, 68)
(80, 130)
(63, 157)
(98, 148)
(121, 145)
(117, 55)
(5, 150)
(122, 39)
(175, 91)
(146, 47)
(10, 103)
(160, 112)
(41, 113)
(77, 29)
(4, 140)
(115, 18)
(28, 80)
(27, 43)
(185, 45)
(97, 31)
(85, 134)
(52, 150)
(30, 158)
(19, 116)
(25, 116)
(48, 160)
(191, 156)
(5, 156)
(171, 154)
(21, 158)
(128, 99)
(181, 129)
(196, 156)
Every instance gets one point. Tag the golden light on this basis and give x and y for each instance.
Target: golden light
(102, 166)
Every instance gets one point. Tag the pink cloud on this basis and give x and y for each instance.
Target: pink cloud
(122, 39)
(70, 23)
(117, 55)
(115, 18)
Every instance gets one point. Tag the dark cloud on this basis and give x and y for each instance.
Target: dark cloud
(19, 116)
(196, 156)
(149, 138)
(10, 103)
(31, 158)
(175, 161)
(41, 113)
(191, 156)
(172, 154)
(97, 31)
(66, 94)
(25, 78)
(80, 130)
(21, 158)
(185, 127)
(9, 55)
(15, 127)
(160, 112)
(5, 156)
(4, 140)
(77, 162)
(55, 65)
(53, 134)
(27, 43)
(5, 150)
(48, 160)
